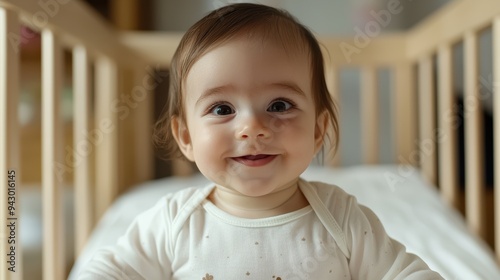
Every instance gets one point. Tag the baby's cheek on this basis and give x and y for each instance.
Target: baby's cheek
(278, 125)
(303, 141)
(298, 130)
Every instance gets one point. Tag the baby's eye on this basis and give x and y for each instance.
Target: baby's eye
(222, 109)
(280, 106)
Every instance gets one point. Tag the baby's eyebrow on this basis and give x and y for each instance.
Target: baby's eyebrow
(220, 90)
(214, 91)
(289, 86)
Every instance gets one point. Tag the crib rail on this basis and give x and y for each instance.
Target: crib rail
(460, 21)
(69, 26)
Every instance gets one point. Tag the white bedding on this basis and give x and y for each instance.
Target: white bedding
(410, 209)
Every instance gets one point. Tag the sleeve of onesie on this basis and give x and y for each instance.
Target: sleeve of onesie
(374, 255)
(139, 254)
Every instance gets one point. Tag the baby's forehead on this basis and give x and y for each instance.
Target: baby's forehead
(289, 38)
(249, 63)
(292, 48)
(254, 47)
(285, 38)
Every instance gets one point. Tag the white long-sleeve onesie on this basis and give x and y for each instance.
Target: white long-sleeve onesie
(185, 236)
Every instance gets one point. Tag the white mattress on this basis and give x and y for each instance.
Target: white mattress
(410, 209)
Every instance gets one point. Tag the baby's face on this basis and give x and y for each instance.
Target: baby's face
(250, 116)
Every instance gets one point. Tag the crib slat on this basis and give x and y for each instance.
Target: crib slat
(496, 128)
(403, 114)
(474, 156)
(333, 84)
(53, 250)
(106, 97)
(427, 118)
(142, 93)
(370, 115)
(446, 134)
(9, 143)
(83, 147)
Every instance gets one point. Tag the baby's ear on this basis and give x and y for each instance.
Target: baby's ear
(320, 130)
(182, 137)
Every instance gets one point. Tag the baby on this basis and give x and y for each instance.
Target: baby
(248, 103)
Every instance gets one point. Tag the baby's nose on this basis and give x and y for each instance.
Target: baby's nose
(253, 129)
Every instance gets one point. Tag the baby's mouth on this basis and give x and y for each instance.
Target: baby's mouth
(255, 157)
(255, 160)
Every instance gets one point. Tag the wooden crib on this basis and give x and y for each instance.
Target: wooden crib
(114, 65)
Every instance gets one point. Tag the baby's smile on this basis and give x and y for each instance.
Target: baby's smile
(255, 160)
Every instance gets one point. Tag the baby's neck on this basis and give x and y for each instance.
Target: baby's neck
(283, 201)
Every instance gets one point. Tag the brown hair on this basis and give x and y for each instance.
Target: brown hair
(218, 27)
